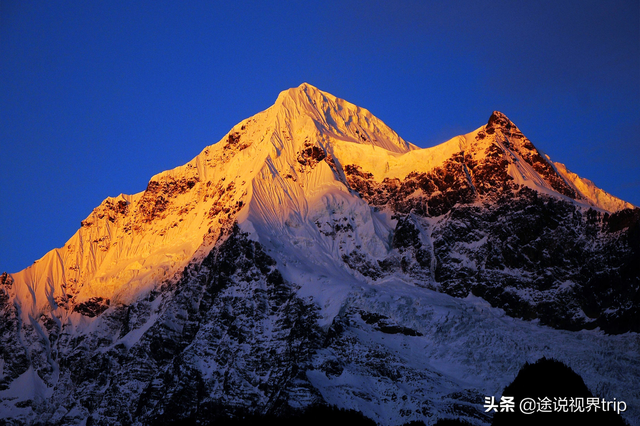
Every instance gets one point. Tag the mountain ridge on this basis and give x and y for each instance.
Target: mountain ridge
(312, 250)
(337, 134)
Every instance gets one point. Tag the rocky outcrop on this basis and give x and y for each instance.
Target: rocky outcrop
(533, 255)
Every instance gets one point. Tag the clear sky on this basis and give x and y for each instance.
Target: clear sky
(96, 97)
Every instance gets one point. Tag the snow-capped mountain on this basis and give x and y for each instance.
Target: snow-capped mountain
(313, 256)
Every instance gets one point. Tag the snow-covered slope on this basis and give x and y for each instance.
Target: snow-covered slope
(129, 243)
(312, 256)
(588, 191)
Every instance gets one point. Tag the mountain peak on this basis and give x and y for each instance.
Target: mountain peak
(500, 120)
(335, 118)
(304, 92)
(306, 87)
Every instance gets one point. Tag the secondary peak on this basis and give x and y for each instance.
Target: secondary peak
(500, 120)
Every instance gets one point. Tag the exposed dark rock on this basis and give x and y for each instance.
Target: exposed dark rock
(159, 195)
(387, 326)
(311, 155)
(92, 307)
(358, 261)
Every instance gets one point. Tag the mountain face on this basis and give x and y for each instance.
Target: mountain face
(313, 257)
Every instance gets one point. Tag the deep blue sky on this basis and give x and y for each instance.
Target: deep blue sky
(96, 97)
